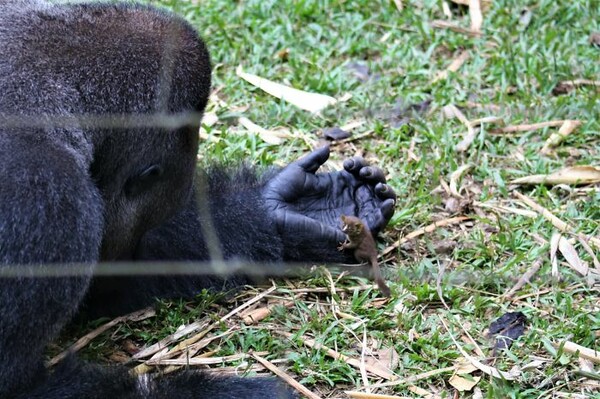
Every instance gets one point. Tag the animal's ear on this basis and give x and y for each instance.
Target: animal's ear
(343, 218)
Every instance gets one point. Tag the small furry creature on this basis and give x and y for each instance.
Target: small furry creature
(362, 242)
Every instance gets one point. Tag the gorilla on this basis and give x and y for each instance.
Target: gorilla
(100, 106)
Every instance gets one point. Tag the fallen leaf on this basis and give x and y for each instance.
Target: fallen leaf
(553, 251)
(570, 254)
(583, 174)
(463, 384)
(268, 136)
(534, 364)
(455, 177)
(464, 366)
(389, 357)
(462, 379)
(312, 102)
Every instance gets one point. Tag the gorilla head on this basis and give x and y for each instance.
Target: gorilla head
(144, 173)
(142, 188)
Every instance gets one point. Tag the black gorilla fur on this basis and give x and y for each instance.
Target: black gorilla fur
(75, 191)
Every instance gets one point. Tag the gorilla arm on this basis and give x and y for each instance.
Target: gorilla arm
(291, 215)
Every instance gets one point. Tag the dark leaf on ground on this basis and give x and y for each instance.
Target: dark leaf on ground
(335, 133)
(507, 328)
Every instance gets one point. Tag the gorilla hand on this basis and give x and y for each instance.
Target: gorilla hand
(307, 206)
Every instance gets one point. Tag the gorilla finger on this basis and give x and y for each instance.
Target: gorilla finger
(313, 161)
(379, 218)
(384, 191)
(354, 165)
(372, 174)
(387, 209)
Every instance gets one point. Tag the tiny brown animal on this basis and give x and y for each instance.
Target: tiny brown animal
(362, 242)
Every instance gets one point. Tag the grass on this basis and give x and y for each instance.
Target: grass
(514, 66)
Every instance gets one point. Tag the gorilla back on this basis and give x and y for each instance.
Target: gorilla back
(86, 167)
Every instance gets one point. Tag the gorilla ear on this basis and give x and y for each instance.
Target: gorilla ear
(144, 180)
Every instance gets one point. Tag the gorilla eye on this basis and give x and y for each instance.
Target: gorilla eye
(151, 172)
(143, 181)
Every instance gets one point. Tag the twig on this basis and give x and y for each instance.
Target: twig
(506, 209)
(546, 291)
(317, 290)
(453, 67)
(487, 119)
(364, 395)
(439, 24)
(471, 132)
(455, 177)
(567, 85)
(528, 127)
(256, 315)
(199, 361)
(186, 343)
(525, 278)
(489, 107)
(383, 373)
(86, 339)
(492, 371)
(586, 353)
(476, 346)
(415, 378)
(556, 222)
(555, 138)
(353, 138)
(163, 343)
(475, 14)
(583, 241)
(363, 351)
(284, 376)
